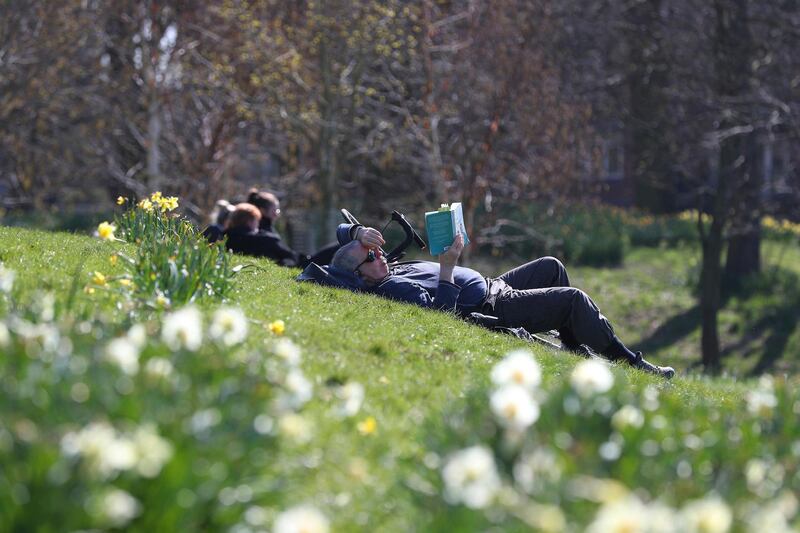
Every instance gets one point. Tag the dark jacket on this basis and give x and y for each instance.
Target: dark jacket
(261, 244)
(417, 282)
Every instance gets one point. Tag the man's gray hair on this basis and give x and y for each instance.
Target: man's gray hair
(345, 257)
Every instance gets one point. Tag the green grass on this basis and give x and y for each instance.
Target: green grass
(426, 379)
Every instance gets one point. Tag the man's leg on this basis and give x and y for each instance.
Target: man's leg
(566, 309)
(538, 274)
(577, 319)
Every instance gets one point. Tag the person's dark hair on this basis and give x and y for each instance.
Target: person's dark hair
(243, 216)
(345, 258)
(261, 199)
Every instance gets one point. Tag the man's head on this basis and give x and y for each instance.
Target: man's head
(368, 264)
(244, 215)
(266, 202)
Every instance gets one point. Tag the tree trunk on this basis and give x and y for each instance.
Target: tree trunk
(710, 296)
(744, 244)
(648, 159)
(731, 52)
(328, 177)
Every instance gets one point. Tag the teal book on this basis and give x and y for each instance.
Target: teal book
(443, 225)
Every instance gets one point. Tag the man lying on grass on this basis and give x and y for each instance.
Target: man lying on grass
(536, 296)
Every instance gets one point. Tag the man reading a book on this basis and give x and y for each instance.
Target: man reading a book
(536, 296)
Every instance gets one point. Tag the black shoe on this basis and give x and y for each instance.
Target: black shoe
(666, 372)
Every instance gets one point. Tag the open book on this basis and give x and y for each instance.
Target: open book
(443, 225)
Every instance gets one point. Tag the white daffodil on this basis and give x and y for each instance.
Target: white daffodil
(761, 401)
(152, 450)
(103, 450)
(6, 279)
(288, 351)
(518, 367)
(183, 329)
(123, 353)
(297, 390)
(708, 515)
(514, 407)
(229, 326)
(628, 515)
(5, 335)
(301, 519)
(627, 416)
(591, 377)
(351, 396)
(295, 427)
(118, 507)
(138, 335)
(470, 477)
(158, 368)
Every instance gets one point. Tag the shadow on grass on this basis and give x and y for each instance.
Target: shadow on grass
(771, 299)
(672, 330)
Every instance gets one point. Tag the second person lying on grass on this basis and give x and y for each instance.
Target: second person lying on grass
(536, 296)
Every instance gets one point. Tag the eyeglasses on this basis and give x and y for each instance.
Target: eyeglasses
(369, 259)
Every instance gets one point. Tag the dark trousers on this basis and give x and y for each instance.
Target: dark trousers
(540, 299)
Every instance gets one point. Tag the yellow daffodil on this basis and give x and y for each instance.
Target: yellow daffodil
(113, 258)
(125, 282)
(367, 426)
(121, 200)
(88, 290)
(277, 327)
(169, 204)
(106, 231)
(145, 205)
(99, 279)
(156, 196)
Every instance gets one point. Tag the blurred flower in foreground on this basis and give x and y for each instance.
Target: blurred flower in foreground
(277, 327)
(470, 477)
(514, 407)
(627, 416)
(107, 451)
(6, 279)
(103, 451)
(298, 390)
(367, 426)
(518, 367)
(158, 368)
(351, 396)
(125, 354)
(5, 335)
(152, 451)
(709, 515)
(301, 519)
(295, 427)
(288, 351)
(115, 508)
(229, 326)
(106, 231)
(183, 329)
(99, 279)
(591, 377)
(761, 401)
(628, 515)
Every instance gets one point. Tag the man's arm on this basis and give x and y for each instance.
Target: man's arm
(369, 237)
(448, 260)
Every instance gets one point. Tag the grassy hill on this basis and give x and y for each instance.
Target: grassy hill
(244, 436)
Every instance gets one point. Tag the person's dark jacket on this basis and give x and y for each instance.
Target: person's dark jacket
(417, 282)
(261, 244)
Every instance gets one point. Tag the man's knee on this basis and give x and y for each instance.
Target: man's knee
(559, 271)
